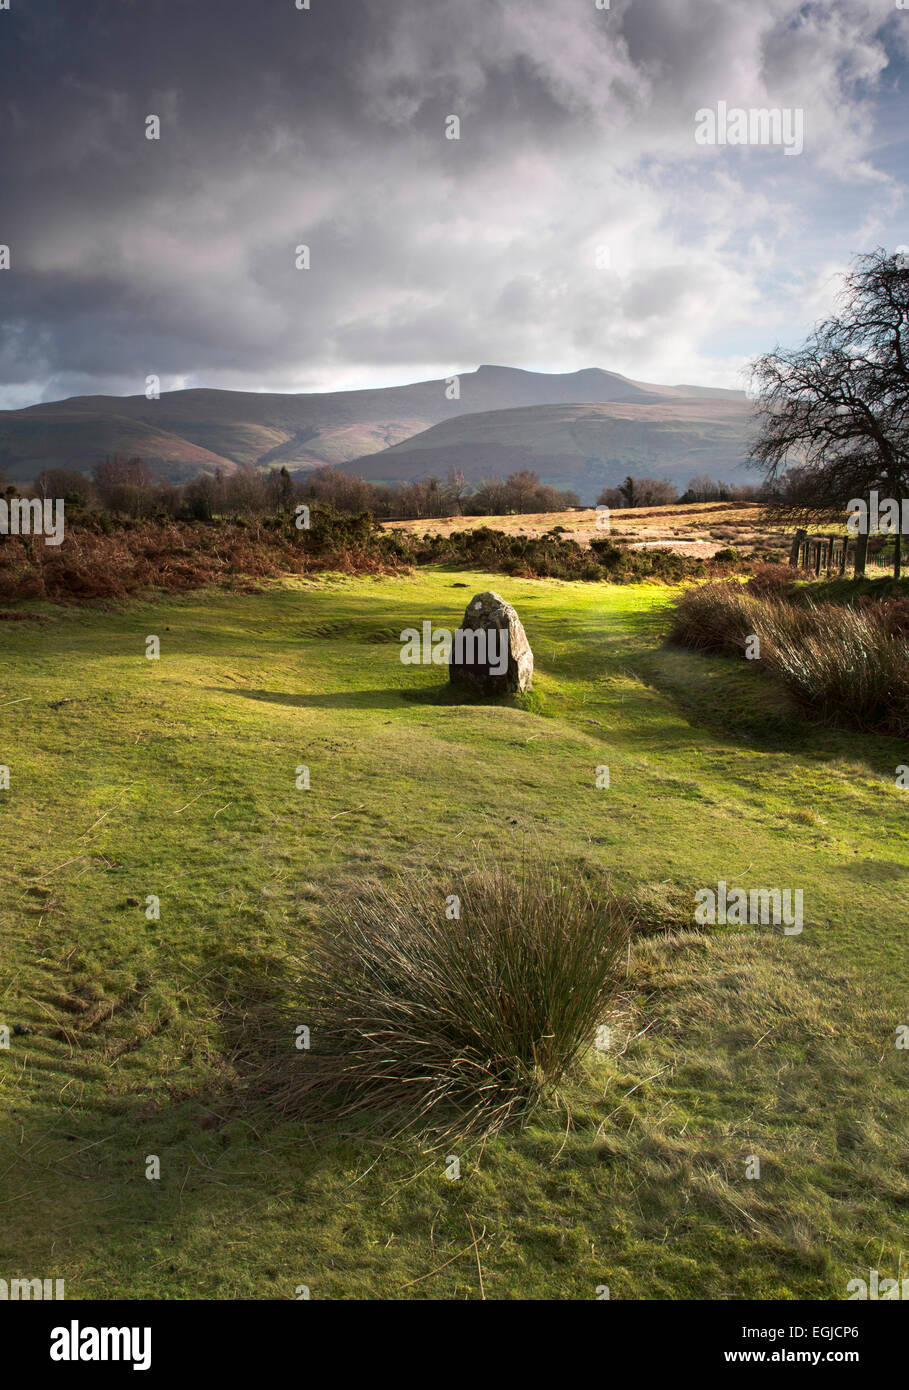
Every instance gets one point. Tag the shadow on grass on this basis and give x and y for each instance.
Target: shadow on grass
(736, 705)
(224, 1144)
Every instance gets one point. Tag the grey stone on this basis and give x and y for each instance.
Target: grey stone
(490, 649)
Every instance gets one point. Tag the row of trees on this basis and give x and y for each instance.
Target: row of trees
(129, 488)
(432, 497)
(660, 492)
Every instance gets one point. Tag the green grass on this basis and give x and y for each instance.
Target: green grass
(176, 778)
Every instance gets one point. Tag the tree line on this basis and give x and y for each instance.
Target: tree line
(660, 492)
(128, 487)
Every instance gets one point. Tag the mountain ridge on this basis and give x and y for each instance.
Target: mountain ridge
(583, 447)
(206, 428)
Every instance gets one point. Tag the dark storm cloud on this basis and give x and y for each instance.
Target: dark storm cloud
(326, 127)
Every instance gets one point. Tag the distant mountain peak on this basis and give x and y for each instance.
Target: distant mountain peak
(208, 428)
(500, 369)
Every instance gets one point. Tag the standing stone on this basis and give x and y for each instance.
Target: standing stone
(490, 649)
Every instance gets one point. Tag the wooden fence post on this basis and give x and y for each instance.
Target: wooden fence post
(796, 548)
(861, 553)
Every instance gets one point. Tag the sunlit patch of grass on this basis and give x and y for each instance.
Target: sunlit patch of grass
(176, 778)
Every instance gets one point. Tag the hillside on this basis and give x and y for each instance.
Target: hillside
(185, 431)
(584, 447)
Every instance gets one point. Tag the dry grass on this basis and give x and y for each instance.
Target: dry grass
(688, 528)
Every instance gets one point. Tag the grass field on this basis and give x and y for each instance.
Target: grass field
(176, 778)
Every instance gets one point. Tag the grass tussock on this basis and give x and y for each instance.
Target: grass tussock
(846, 663)
(453, 1024)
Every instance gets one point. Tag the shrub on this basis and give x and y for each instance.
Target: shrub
(456, 1025)
(771, 578)
(113, 558)
(846, 663)
(551, 556)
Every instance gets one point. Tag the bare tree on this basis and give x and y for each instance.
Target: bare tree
(521, 489)
(125, 486)
(457, 489)
(837, 408)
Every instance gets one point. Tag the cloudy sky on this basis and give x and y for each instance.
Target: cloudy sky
(576, 221)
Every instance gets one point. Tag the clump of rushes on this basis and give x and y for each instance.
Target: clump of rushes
(713, 617)
(455, 1023)
(842, 662)
(846, 664)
